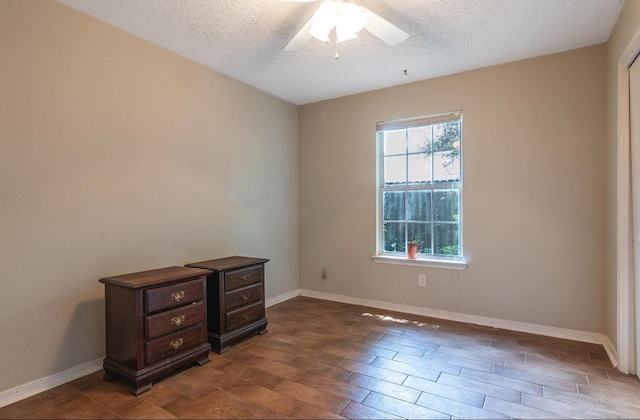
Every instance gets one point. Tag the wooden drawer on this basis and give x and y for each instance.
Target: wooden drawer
(243, 296)
(244, 315)
(240, 278)
(173, 343)
(173, 295)
(173, 320)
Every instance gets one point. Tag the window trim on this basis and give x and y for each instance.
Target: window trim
(435, 261)
(431, 262)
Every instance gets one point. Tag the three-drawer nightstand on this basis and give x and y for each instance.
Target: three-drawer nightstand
(155, 322)
(235, 293)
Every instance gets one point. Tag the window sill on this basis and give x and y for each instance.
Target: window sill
(421, 262)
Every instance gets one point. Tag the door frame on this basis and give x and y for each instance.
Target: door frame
(625, 289)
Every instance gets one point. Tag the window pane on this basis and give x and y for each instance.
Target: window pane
(393, 206)
(446, 136)
(421, 232)
(395, 170)
(421, 187)
(446, 238)
(446, 205)
(393, 237)
(419, 168)
(446, 166)
(394, 142)
(419, 139)
(419, 205)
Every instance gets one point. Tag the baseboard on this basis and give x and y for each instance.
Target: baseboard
(611, 351)
(44, 384)
(575, 335)
(281, 298)
(40, 385)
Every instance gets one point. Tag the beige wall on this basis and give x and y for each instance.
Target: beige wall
(118, 156)
(627, 25)
(533, 192)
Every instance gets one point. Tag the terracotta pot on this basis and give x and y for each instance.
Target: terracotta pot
(413, 251)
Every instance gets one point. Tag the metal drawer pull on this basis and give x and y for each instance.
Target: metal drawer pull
(177, 296)
(245, 277)
(176, 344)
(178, 320)
(245, 297)
(246, 317)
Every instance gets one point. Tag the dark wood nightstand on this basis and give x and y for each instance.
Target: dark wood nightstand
(235, 290)
(156, 322)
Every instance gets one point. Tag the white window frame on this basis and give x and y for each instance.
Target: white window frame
(454, 262)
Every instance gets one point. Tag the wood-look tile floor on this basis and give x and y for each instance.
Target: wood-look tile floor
(325, 359)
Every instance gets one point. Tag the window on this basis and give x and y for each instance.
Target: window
(420, 180)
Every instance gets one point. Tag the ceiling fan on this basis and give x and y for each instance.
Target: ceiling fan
(347, 18)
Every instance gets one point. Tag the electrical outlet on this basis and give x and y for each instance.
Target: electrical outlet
(422, 280)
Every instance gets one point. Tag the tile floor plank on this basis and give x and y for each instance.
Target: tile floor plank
(254, 375)
(377, 372)
(455, 408)
(488, 389)
(31, 408)
(408, 369)
(533, 375)
(568, 410)
(595, 403)
(383, 387)
(312, 396)
(142, 409)
(518, 411)
(318, 368)
(503, 381)
(348, 353)
(279, 403)
(402, 408)
(339, 388)
(358, 411)
(438, 365)
(446, 391)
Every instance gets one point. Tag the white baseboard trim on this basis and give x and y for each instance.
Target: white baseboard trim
(565, 333)
(281, 298)
(44, 384)
(611, 351)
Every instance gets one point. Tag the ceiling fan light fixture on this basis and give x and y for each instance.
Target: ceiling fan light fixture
(319, 32)
(324, 20)
(349, 21)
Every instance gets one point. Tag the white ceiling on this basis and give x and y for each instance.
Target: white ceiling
(244, 39)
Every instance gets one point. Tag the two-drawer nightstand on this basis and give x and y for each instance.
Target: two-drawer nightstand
(235, 291)
(156, 322)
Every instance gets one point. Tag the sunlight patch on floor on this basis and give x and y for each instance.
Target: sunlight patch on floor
(399, 320)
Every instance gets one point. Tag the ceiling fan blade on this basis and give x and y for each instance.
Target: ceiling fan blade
(301, 39)
(383, 29)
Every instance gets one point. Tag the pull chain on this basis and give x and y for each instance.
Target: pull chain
(336, 56)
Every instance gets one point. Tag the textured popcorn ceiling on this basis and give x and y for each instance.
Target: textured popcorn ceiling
(244, 39)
